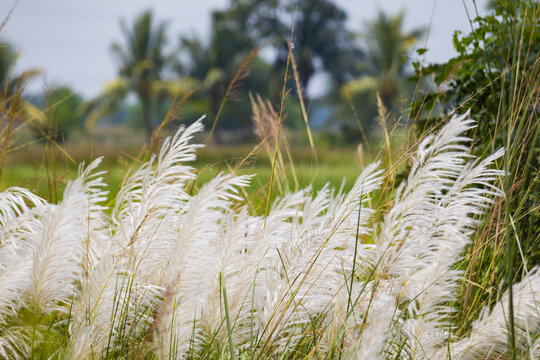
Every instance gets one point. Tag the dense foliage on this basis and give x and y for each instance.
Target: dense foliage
(495, 76)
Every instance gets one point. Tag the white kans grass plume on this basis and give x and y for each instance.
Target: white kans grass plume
(197, 257)
(489, 332)
(174, 274)
(44, 251)
(16, 222)
(128, 280)
(426, 231)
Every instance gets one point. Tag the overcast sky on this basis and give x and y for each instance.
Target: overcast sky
(70, 39)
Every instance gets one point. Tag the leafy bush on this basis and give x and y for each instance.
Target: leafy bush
(495, 77)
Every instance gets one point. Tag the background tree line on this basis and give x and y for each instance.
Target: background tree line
(156, 67)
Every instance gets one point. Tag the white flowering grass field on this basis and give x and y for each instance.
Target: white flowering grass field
(161, 272)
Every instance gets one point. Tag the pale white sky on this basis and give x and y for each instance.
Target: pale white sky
(70, 39)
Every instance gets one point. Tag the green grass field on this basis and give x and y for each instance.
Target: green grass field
(45, 169)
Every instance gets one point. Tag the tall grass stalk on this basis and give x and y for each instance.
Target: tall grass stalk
(240, 74)
(303, 107)
(279, 122)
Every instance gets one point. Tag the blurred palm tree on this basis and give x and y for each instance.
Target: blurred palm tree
(51, 116)
(214, 64)
(227, 58)
(12, 86)
(143, 60)
(14, 109)
(386, 65)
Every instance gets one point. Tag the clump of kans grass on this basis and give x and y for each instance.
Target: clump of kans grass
(168, 274)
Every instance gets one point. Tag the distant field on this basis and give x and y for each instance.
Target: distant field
(45, 171)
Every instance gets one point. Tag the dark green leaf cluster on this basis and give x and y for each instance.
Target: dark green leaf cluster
(503, 44)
